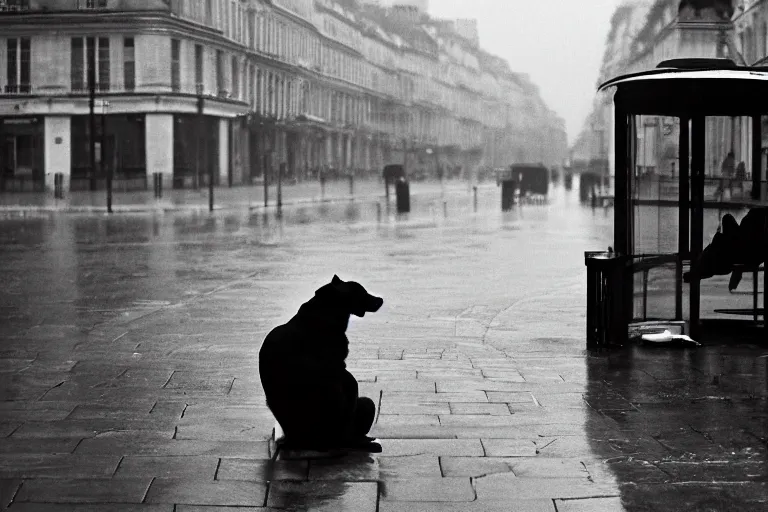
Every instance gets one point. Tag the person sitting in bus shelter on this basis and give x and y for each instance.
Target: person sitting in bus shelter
(734, 244)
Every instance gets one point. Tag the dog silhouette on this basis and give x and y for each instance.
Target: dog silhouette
(302, 368)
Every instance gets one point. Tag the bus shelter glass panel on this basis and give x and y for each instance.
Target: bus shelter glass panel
(654, 154)
(728, 162)
(728, 189)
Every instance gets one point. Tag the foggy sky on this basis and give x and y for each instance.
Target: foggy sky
(559, 43)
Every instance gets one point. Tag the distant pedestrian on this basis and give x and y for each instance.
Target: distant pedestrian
(726, 175)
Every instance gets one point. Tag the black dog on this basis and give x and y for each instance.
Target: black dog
(308, 388)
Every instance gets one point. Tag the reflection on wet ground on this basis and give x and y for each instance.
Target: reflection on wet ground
(129, 356)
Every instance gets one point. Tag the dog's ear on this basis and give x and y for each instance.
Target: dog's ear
(336, 280)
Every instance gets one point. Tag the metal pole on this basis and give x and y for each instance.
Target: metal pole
(91, 55)
(280, 172)
(265, 175)
(103, 160)
(199, 145)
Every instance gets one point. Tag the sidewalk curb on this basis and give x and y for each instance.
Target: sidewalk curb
(202, 208)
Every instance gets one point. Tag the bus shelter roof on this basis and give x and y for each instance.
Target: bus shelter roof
(685, 92)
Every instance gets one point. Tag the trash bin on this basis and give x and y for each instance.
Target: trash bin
(403, 196)
(508, 188)
(608, 303)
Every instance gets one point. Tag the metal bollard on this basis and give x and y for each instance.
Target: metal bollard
(351, 185)
(322, 186)
(157, 182)
(378, 212)
(403, 196)
(280, 172)
(58, 185)
(265, 175)
(474, 191)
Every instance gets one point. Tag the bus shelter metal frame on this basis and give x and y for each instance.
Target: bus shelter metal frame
(690, 95)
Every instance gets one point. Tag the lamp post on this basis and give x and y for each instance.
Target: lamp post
(102, 152)
(91, 51)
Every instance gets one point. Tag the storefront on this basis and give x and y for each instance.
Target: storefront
(195, 150)
(123, 152)
(22, 154)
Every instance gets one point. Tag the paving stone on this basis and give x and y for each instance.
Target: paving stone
(386, 420)
(88, 428)
(410, 397)
(399, 447)
(516, 397)
(479, 408)
(428, 489)
(349, 468)
(207, 411)
(475, 466)
(540, 505)
(260, 470)
(258, 429)
(82, 507)
(57, 466)
(8, 489)
(416, 408)
(716, 471)
(324, 496)
(136, 445)
(607, 446)
(508, 487)
(590, 505)
(47, 490)
(509, 447)
(415, 431)
(35, 411)
(510, 375)
(170, 410)
(8, 427)
(205, 508)
(192, 467)
(552, 468)
(99, 412)
(197, 492)
(10, 445)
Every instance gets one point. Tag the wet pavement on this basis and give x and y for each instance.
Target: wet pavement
(128, 367)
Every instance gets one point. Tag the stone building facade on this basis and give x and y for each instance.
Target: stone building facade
(239, 87)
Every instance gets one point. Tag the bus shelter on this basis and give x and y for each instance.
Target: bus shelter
(688, 155)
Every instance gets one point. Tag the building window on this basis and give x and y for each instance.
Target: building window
(252, 87)
(220, 87)
(103, 64)
(82, 49)
(14, 5)
(129, 64)
(92, 4)
(199, 69)
(175, 65)
(18, 66)
(235, 78)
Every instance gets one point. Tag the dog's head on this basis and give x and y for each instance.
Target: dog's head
(349, 296)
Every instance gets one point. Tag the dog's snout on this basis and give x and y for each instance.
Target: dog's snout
(375, 303)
